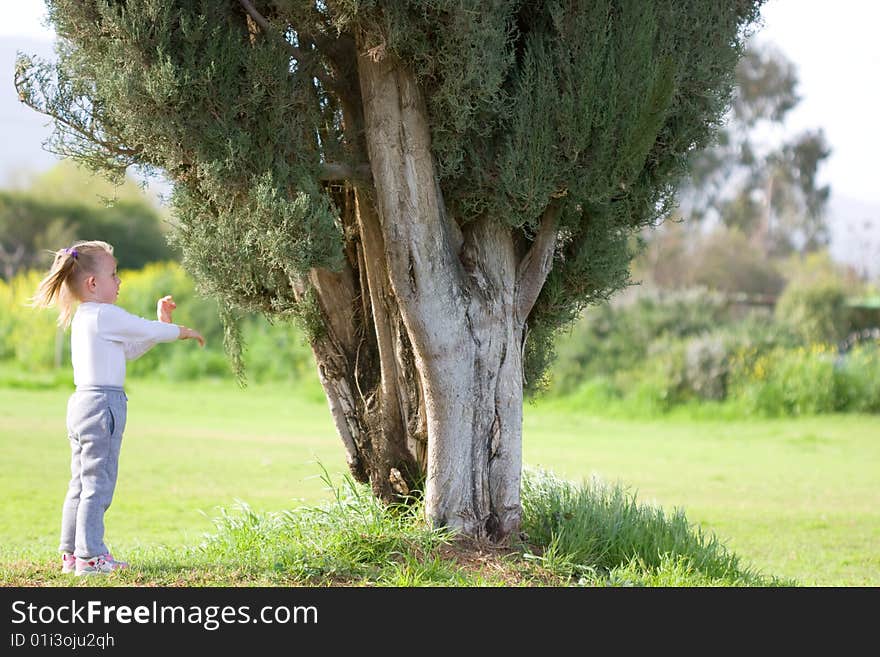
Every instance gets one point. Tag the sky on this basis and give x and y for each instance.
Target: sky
(837, 54)
(833, 45)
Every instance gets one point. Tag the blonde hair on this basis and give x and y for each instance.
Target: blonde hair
(69, 269)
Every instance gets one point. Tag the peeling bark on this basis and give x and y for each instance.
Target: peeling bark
(355, 355)
(456, 293)
(421, 355)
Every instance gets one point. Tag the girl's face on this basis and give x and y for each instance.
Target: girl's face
(103, 285)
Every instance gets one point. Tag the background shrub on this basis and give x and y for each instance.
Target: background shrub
(656, 351)
(804, 381)
(30, 340)
(816, 312)
(647, 353)
(29, 337)
(614, 337)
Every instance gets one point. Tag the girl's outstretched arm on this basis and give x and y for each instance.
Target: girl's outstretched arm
(164, 308)
(188, 333)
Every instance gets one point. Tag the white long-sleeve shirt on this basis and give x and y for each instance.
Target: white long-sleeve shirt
(103, 336)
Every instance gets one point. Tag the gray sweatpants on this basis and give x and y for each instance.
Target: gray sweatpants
(95, 422)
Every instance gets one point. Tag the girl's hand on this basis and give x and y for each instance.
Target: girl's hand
(164, 307)
(188, 333)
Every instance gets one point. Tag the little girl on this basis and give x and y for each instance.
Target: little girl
(102, 338)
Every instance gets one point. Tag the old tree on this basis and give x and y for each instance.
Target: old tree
(432, 186)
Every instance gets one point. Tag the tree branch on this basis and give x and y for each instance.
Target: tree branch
(340, 54)
(296, 53)
(259, 19)
(537, 262)
(130, 154)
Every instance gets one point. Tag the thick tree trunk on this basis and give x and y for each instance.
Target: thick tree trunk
(374, 402)
(456, 294)
(421, 359)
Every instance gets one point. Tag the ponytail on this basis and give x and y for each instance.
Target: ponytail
(69, 268)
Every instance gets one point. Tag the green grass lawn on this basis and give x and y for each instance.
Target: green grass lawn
(793, 498)
(797, 498)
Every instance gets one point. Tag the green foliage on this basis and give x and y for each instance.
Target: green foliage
(138, 294)
(277, 350)
(816, 312)
(857, 379)
(596, 103)
(252, 257)
(599, 527)
(779, 382)
(583, 535)
(706, 366)
(698, 367)
(67, 204)
(808, 381)
(819, 268)
(616, 155)
(726, 261)
(27, 336)
(183, 88)
(520, 118)
(664, 351)
(616, 337)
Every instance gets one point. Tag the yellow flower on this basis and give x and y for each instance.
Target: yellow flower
(760, 371)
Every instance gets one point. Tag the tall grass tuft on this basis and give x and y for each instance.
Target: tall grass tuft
(354, 539)
(577, 535)
(601, 531)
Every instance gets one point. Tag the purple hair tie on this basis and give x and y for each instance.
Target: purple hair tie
(72, 253)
